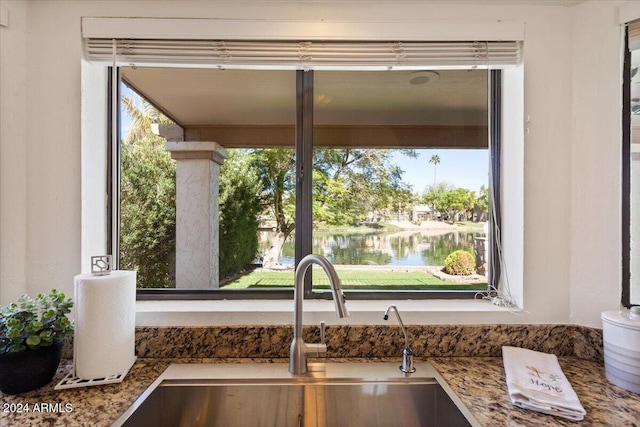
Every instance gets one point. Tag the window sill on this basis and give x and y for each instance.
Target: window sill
(280, 312)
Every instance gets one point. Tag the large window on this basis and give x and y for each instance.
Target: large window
(399, 186)
(383, 156)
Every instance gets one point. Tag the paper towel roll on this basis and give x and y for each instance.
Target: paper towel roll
(105, 318)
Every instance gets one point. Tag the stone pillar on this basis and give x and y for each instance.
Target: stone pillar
(197, 212)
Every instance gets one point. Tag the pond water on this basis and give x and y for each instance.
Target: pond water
(406, 248)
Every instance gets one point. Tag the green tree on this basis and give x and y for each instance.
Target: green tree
(482, 203)
(276, 169)
(434, 196)
(402, 200)
(331, 204)
(435, 159)
(457, 201)
(240, 205)
(348, 183)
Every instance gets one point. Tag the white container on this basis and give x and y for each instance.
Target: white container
(621, 335)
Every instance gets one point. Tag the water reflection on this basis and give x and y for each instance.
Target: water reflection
(408, 248)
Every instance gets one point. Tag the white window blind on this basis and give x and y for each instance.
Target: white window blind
(303, 54)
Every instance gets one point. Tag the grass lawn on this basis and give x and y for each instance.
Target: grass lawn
(365, 228)
(353, 279)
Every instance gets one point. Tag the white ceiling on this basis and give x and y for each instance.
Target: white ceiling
(201, 97)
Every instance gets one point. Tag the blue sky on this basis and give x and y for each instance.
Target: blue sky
(125, 121)
(460, 168)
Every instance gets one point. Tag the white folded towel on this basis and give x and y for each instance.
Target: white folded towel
(535, 381)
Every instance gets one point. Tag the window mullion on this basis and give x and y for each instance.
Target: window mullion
(113, 166)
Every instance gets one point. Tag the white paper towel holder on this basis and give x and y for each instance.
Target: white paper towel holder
(100, 266)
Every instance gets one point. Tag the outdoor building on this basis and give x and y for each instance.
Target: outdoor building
(422, 213)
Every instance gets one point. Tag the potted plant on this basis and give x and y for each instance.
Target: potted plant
(31, 335)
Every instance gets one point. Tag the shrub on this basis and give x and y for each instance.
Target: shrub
(148, 212)
(459, 263)
(239, 206)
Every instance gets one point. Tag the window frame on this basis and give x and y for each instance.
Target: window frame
(304, 219)
(626, 173)
(113, 164)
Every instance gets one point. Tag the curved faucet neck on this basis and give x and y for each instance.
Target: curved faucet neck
(298, 292)
(404, 330)
(407, 355)
(299, 350)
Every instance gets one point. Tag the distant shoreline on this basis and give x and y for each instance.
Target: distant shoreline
(400, 226)
(432, 227)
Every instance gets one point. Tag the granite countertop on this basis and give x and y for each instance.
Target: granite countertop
(478, 381)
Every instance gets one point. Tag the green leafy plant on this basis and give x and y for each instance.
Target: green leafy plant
(459, 263)
(240, 189)
(32, 323)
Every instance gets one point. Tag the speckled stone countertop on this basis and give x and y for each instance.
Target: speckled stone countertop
(478, 381)
(467, 357)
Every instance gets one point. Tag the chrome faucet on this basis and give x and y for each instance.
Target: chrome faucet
(299, 349)
(407, 355)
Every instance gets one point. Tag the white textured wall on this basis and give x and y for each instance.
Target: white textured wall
(595, 224)
(53, 148)
(13, 152)
(568, 155)
(547, 171)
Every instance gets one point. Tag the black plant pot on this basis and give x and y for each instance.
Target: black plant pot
(29, 370)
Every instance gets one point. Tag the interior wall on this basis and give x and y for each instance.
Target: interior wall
(547, 180)
(512, 235)
(53, 148)
(596, 156)
(553, 159)
(13, 152)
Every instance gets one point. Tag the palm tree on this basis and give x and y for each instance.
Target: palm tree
(435, 159)
(142, 117)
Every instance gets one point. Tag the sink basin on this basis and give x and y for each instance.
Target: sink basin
(331, 394)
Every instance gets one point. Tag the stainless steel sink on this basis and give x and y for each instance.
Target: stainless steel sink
(331, 394)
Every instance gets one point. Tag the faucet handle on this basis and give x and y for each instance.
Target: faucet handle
(323, 326)
(319, 349)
